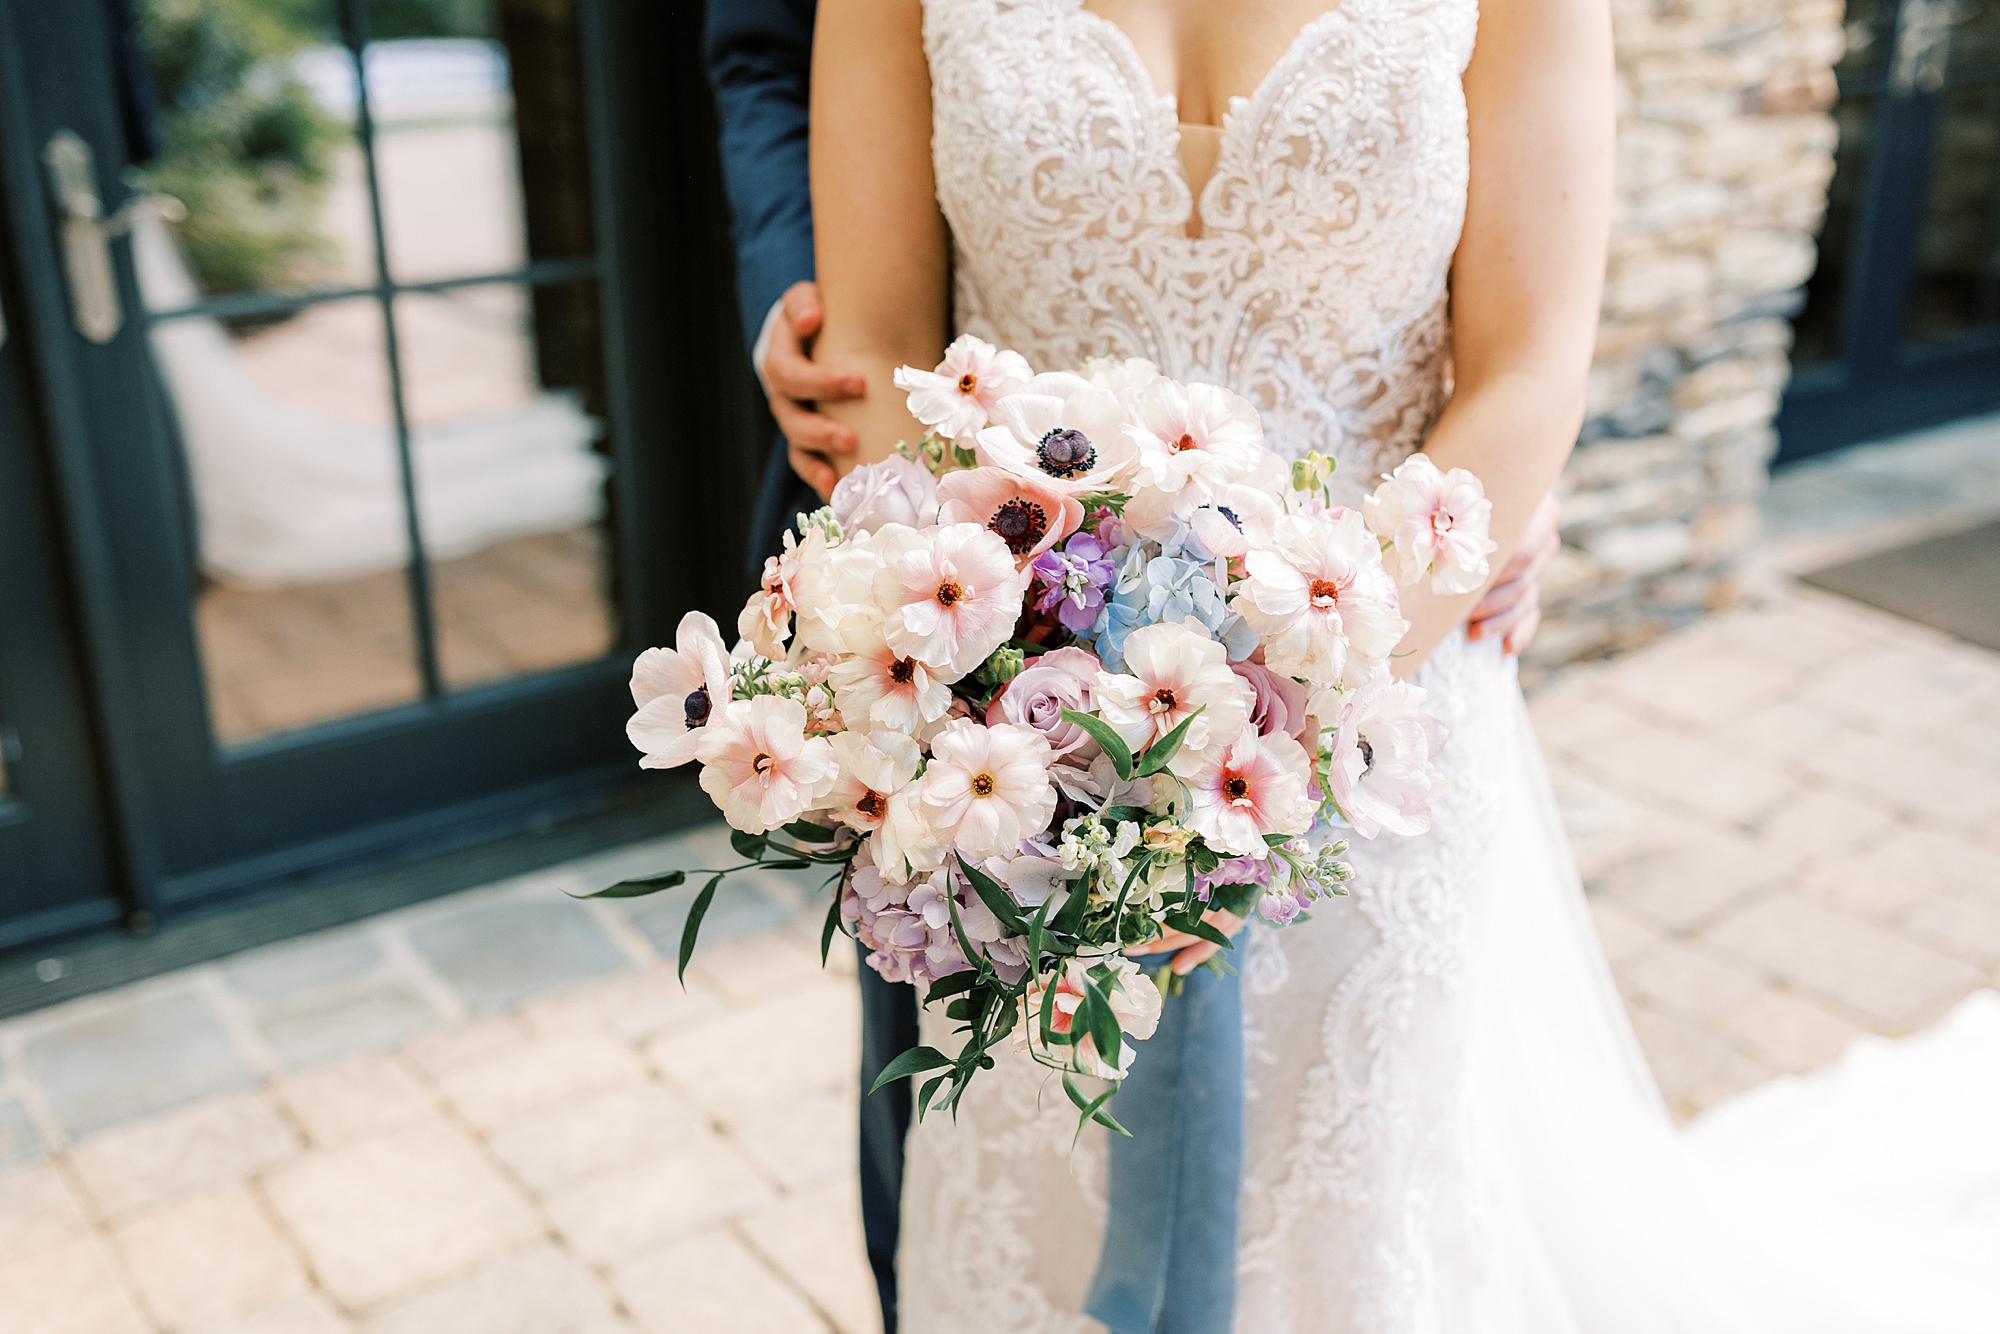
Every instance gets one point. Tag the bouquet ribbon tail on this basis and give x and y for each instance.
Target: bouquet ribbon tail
(1168, 1265)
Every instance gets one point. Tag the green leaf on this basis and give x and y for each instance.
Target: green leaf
(1238, 899)
(965, 945)
(747, 845)
(1208, 931)
(1273, 840)
(1101, 732)
(1038, 931)
(951, 985)
(640, 887)
(826, 932)
(805, 831)
(924, 1098)
(696, 911)
(1070, 917)
(1092, 1109)
(1120, 814)
(912, 1062)
(789, 864)
(1161, 752)
(1047, 1019)
(1102, 1022)
(958, 1009)
(1203, 857)
(995, 897)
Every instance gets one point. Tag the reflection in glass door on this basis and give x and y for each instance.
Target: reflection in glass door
(378, 332)
(1901, 326)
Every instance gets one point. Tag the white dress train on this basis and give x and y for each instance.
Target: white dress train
(1450, 1128)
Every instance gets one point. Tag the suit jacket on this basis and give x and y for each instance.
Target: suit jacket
(759, 58)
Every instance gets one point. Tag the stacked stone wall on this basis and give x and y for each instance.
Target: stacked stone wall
(1725, 150)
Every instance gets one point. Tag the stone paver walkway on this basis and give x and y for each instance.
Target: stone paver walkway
(499, 1114)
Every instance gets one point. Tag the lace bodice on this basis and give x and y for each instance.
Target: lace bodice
(1317, 288)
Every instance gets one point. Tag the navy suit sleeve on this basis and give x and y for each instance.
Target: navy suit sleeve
(759, 59)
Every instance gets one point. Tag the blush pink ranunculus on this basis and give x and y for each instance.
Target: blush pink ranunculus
(1254, 786)
(1029, 515)
(896, 490)
(1064, 678)
(949, 596)
(987, 788)
(1435, 523)
(759, 766)
(960, 396)
(1382, 773)
(1197, 432)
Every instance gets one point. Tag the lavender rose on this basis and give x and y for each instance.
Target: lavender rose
(896, 490)
(1062, 679)
(1281, 701)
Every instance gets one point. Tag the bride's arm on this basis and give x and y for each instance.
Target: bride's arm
(1530, 263)
(879, 239)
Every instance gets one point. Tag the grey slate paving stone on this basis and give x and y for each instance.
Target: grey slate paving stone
(281, 971)
(144, 1056)
(497, 955)
(20, 1142)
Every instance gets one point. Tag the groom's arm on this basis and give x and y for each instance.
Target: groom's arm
(759, 59)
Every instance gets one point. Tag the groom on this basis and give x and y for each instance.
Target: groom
(759, 58)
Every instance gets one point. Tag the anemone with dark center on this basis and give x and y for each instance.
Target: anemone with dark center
(697, 706)
(1021, 524)
(1066, 453)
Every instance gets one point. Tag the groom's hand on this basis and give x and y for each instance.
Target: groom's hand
(1512, 607)
(794, 385)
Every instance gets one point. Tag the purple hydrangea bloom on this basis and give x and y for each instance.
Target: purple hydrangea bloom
(1076, 579)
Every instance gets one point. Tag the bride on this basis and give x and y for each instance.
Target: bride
(1385, 224)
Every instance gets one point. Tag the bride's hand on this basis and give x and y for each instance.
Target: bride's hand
(1512, 607)
(1192, 951)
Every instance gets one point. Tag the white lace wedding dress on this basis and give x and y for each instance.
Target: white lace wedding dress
(1449, 1126)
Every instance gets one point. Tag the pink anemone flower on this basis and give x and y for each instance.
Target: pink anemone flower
(1030, 516)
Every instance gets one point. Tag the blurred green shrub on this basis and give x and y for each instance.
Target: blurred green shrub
(242, 143)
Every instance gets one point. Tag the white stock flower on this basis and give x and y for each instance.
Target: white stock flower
(873, 768)
(950, 595)
(1252, 787)
(1174, 671)
(1063, 430)
(959, 397)
(1381, 773)
(1195, 431)
(1318, 596)
(758, 765)
(987, 788)
(678, 690)
(1435, 523)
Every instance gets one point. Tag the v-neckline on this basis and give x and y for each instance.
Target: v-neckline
(1169, 103)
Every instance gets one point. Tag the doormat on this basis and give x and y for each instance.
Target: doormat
(1952, 583)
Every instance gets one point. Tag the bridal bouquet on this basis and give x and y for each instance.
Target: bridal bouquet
(1084, 665)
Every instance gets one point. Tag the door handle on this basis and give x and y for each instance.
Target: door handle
(86, 233)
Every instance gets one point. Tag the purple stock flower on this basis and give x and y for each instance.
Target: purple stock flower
(1234, 871)
(1076, 579)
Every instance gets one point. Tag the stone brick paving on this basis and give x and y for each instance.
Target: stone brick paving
(499, 1114)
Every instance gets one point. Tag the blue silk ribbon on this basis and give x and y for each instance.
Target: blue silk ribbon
(1169, 1260)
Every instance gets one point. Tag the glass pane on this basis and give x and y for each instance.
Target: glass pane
(1817, 329)
(255, 136)
(1975, 41)
(296, 511)
(1869, 39)
(1957, 284)
(478, 115)
(511, 471)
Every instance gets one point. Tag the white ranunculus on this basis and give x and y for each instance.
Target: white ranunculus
(1435, 523)
(1318, 597)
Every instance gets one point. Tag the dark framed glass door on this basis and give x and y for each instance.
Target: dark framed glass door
(415, 422)
(1901, 327)
(54, 868)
